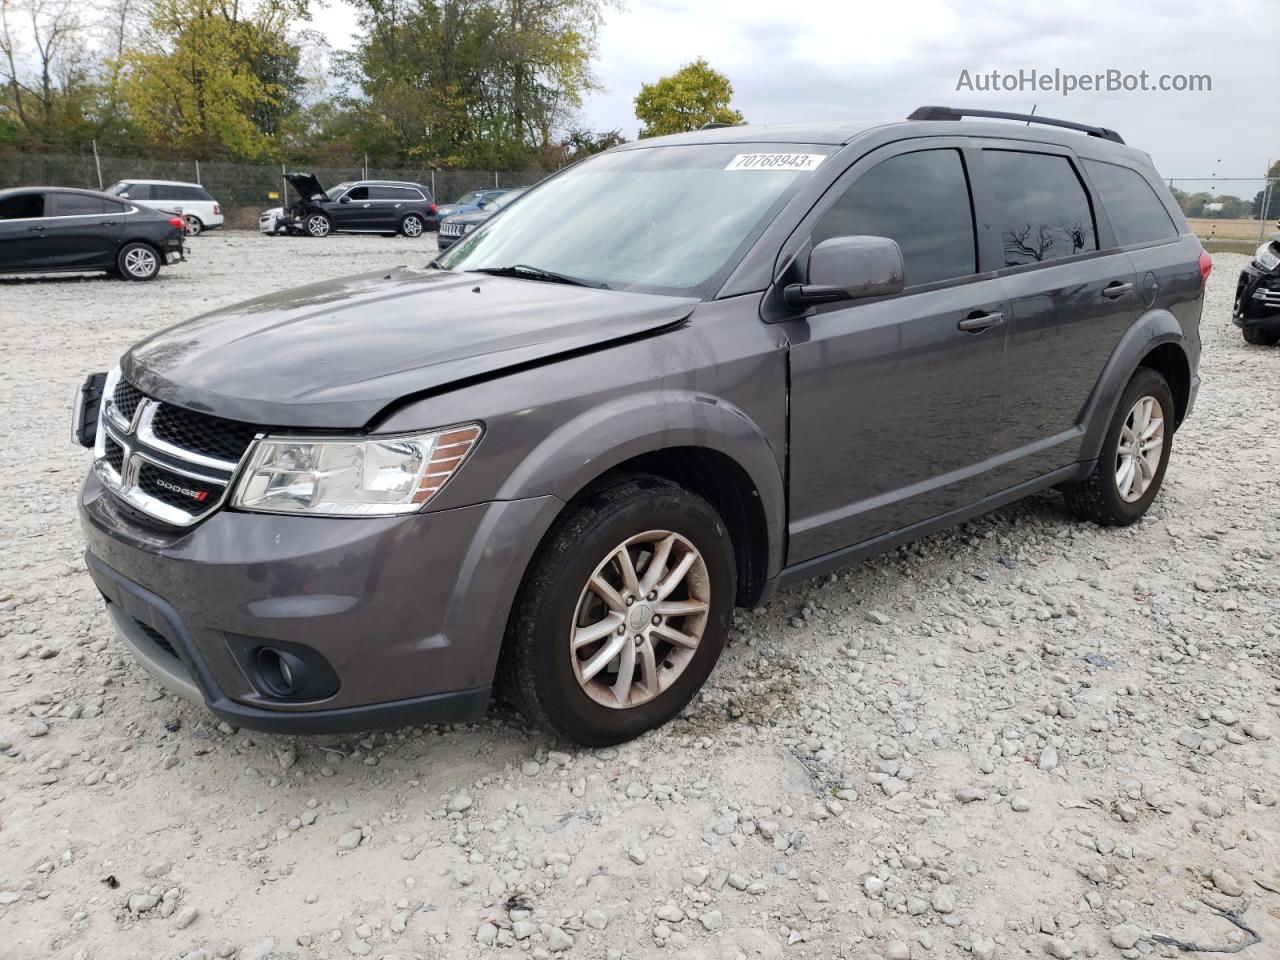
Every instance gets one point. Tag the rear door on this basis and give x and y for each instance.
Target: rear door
(83, 232)
(895, 402)
(392, 203)
(1072, 298)
(23, 226)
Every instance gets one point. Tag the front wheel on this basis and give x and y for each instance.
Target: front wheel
(412, 225)
(623, 613)
(1259, 337)
(1134, 456)
(138, 261)
(319, 225)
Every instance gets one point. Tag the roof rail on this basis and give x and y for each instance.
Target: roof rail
(956, 113)
(715, 125)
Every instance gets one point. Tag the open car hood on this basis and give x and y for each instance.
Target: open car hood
(307, 185)
(334, 355)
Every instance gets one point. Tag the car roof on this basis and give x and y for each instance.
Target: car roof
(837, 134)
(167, 183)
(15, 191)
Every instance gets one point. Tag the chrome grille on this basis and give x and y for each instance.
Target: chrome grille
(167, 462)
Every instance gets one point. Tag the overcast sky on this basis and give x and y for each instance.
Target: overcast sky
(836, 59)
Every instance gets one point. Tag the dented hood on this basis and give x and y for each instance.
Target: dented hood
(333, 355)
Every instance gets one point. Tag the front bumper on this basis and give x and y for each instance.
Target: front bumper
(409, 612)
(1257, 301)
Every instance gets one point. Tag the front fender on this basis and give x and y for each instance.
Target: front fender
(600, 438)
(1154, 328)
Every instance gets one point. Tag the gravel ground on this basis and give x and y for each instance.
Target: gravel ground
(1024, 738)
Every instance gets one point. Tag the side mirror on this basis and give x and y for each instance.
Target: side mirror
(123, 196)
(345, 198)
(482, 204)
(849, 268)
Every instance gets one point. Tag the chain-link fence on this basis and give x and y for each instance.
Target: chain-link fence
(1229, 213)
(243, 189)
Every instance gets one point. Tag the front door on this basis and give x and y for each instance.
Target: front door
(354, 211)
(24, 220)
(896, 402)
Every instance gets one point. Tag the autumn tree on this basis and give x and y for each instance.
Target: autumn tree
(48, 90)
(215, 76)
(694, 95)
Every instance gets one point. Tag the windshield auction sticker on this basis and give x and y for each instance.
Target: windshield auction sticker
(776, 161)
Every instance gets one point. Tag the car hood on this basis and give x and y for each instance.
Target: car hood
(333, 355)
(476, 216)
(307, 185)
(450, 209)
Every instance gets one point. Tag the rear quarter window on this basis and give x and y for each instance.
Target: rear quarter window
(1136, 213)
(1041, 207)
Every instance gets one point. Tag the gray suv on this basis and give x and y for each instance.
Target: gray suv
(671, 380)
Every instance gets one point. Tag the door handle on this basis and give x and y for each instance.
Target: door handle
(107, 223)
(1116, 289)
(977, 322)
(36, 229)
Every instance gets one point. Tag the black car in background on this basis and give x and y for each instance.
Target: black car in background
(61, 229)
(359, 206)
(454, 228)
(1257, 307)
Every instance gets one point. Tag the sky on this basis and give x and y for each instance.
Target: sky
(852, 60)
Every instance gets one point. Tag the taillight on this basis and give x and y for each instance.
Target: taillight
(433, 209)
(1206, 264)
(217, 210)
(176, 222)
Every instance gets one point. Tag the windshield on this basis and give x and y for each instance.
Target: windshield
(471, 196)
(669, 219)
(498, 202)
(333, 193)
(118, 188)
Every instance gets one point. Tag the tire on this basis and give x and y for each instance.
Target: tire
(192, 226)
(1100, 498)
(546, 678)
(319, 225)
(1259, 337)
(138, 261)
(413, 226)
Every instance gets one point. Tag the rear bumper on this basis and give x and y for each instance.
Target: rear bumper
(404, 615)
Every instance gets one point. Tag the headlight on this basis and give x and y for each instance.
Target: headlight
(1267, 256)
(372, 477)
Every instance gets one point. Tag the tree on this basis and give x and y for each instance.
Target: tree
(693, 96)
(47, 88)
(211, 76)
(1272, 202)
(579, 144)
(479, 83)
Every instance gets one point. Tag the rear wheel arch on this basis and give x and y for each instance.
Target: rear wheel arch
(1169, 359)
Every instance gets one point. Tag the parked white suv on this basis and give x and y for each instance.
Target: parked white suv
(199, 211)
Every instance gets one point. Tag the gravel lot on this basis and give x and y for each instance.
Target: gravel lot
(1024, 738)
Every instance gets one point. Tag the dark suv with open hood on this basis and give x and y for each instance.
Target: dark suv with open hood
(357, 206)
(667, 382)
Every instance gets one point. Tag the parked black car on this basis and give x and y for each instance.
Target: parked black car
(455, 227)
(359, 206)
(61, 229)
(1257, 309)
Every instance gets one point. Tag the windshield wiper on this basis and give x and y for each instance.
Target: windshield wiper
(537, 273)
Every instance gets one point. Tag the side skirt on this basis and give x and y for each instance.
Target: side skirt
(868, 548)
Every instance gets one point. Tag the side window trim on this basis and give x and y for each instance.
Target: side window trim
(1102, 207)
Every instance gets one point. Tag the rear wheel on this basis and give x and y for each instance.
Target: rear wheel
(413, 225)
(319, 225)
(138, 261)
(1259, 337)
(191, 225)
(1135, 453)
(623, 614)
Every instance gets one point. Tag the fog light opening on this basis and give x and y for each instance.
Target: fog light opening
(283, 674)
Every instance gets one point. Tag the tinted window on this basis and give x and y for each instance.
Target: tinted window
(403, 194)
(76, 205)
(358, 193)
(162, 191)
(920, 200)
(137, 191)
(114, 206)
(1132, 206)
(25, 206)
(1042, 209)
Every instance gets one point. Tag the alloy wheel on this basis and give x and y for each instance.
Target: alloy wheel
(141, 262)
(1141, 445)
(639, 619)
(191, 226)
(318, 226)
(412, 227)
